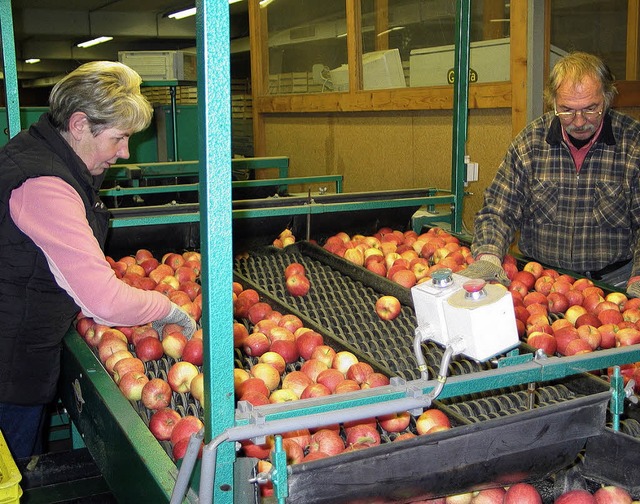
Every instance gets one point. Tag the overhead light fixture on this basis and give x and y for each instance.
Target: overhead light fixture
(234, 1)
(94, 41)
(395, 28)
(32, 61)
(264, 3)
(182, 13)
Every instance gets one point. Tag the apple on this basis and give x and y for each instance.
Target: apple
(186, 426)
(259, 311)
(374, 380)
(588, 319)
(280, 333)
(173, 344)
(326, 441)
(557, 302)
(83, 324)
(543, 341)
(273, 359)
(315, 390)
(191, 288)
(283, 395)
(430, 419)
(608, 335)
(563, 336)
(131, 385)
(330, 377)
(591, 335)
(526, 277)
(156, 394)
(290, 322)
(343, 360)
(535, 268)
(522, 493)
(388, 307)
(179, 297)
(407, 435)
(239, 376)
(612, 494)
(489, 495)
(287, 348)
(312, 368)
(294, 268)
(631, 314)
(534, 297)
(610, 316)
(180, 375)
(300, 436)
(307, 343)
(562, 286)
(575, 297)
(406, 278)
(109, 346)
(578, 496)
(173, 259)
(299, 285)
(144, 331)
(114, 358)
(324, 353)
(395, 422)
(627, 336)
(162, 271)
(573, 312)
(149, 349)
(359, 372)
(578, 346)
(123, 366)
(296, 381)
(250, 294)
(346, 386)
(591, 301)
(252, 384)
(268, 374)
(193, 352)
(94, 333)
(363, 434)
(162, 423)
(196, 388)
(256, 344)
(259, 451)
(377, 267)
(632, 303)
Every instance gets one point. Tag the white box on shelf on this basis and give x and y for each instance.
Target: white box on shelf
(161, 65)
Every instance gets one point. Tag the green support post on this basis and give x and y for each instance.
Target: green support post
(9, 67)
(214, 145)
(460, 106)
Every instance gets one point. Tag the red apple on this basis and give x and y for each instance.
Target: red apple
(406, 278)
(114, 358)
(564, 336)
(283, 395)
(307, 343)
(268, 374)
(149, 349)
(156, 394)
(274, 359)
(543, 341)
(430, 419)
(162, 423)
(252, 384)
(294, 268)
(326, 441)
(557, 302)
(359, 372)
(612, 494)
(313, 367)
(610, 316)
(577, 346)
(330, 377)
(627, 336)
(535, 268)
(131, 385)
(180, 375)
(296, 381)
(315, 390)
(363, 434)
(196, 387)
(194, 352)
(259, 311)
(489, 495)
(573, 312)
(256, 344)
(173, 344)
(298, 285)
(343, 360)
(94, 333)
(576, 497)
(374, 380)
(395, 422)
(144, 331)
(534, 297)
(588, 319)
(124, 366)
(109, 346)
(522, 493)
(388, 307)
(526, 277)
(346, 386)
(287, 348)
(591, 335)
(608, 335)
(185, 427)
(83, 324)
(324, 353)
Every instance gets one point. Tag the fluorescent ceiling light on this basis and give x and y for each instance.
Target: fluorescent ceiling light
(264, 3)
(234, 1)
(183, 13)
(94, 41)
(395, 28)
(31, 61)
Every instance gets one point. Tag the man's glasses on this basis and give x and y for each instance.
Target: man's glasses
(570, 115)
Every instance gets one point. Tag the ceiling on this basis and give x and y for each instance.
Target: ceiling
(50, 29)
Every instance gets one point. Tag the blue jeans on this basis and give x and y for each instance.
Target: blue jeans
(22, 427)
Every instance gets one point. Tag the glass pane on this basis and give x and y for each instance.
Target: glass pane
(419, 36)
(307, 38)
(594, 26)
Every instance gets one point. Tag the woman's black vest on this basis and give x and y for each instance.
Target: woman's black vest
(35, 312)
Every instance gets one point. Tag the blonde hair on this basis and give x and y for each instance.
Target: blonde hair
(575, 67)
(107, 92)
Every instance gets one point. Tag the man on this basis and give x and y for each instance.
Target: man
(569, 183)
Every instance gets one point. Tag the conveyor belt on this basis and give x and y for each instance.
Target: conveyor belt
(342, 299)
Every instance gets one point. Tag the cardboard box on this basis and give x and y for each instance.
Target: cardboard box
(161, 65)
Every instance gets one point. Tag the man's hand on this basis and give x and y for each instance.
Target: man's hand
(633, 288)
(489, 268)
(177, 316)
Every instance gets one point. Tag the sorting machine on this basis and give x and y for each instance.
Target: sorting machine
(516, 416)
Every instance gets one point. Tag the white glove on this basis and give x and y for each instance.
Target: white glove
(177, 316)
(489, 268)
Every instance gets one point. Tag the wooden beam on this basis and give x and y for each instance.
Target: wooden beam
(518, 28)
(633, 40)
(354, 44)
(382, 24)
(259, 54)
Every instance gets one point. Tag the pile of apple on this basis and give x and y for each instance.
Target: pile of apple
(406, 258)
(525, 493)
(124, 351)
(560, 314)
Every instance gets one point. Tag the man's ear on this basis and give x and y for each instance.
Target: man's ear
(79, 125)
